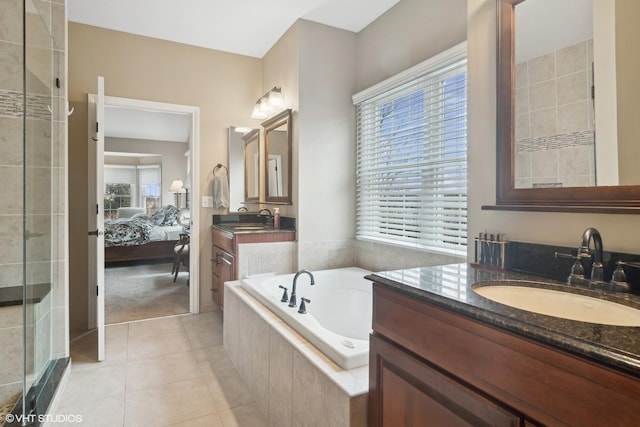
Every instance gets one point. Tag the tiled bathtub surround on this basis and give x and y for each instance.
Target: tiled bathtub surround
(293, 383)
(256, 258)
(554, 127)
(283, 257)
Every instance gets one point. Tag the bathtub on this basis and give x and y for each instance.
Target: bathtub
(338, 319)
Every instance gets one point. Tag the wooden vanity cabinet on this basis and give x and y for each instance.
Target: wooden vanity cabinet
(430, 366)
(222, 264)
(224, 255)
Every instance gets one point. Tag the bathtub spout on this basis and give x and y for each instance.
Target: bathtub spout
(292, 300)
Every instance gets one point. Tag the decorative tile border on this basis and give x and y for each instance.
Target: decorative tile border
(554, 142)
(38, 106)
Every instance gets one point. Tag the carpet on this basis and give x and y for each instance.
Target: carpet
(144, 292)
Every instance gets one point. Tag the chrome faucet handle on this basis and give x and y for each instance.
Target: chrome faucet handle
(619, 274)
(303, 305)
(285, 296)
(577, 270)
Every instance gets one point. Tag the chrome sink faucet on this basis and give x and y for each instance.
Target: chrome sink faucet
(584, 251)
(292, 300)
(577, 271)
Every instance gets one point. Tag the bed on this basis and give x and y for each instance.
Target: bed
(134, 236)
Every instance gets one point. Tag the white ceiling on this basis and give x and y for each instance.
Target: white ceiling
(142, 124)
(245, 27)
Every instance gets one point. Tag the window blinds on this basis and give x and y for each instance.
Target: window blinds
(119, 174)
(149, 175)
(412, 159)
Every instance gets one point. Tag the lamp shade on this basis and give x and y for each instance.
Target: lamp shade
(176, 186)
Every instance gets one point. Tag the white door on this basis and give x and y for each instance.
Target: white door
(96, 216)
(275, 176)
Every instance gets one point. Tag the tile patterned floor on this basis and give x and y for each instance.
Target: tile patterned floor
(171, 371)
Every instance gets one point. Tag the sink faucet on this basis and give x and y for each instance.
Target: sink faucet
(583, 251)
(265, 213)
(292, 299)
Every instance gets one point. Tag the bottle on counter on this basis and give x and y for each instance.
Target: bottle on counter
(276, 218)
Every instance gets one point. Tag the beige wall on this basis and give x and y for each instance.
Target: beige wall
(327, 149)
(627, 67)
(225, 87)
(409, 33)
(280, 68)
(620, 232)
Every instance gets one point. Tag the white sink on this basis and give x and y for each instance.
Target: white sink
(562, 304)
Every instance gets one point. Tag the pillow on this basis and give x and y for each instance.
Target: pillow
(170, 215)
(142, 216)
(158, 217)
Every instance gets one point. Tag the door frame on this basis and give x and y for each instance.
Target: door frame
(194, 147)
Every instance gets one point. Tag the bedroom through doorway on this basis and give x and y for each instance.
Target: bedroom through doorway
(148, 172)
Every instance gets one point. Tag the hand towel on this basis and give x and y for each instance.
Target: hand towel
(221, 191)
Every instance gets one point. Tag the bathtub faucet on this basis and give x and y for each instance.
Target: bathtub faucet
(292, 300)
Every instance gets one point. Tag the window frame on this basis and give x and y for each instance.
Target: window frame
(369, 104)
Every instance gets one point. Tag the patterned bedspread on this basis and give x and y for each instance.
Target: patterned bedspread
(127, 231)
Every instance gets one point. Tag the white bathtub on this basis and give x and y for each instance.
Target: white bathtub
(338, 319)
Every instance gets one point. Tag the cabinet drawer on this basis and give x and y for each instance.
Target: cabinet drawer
(222, 239)
(405, 388)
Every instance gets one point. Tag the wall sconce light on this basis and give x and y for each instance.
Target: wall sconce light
(269, 104)
(177, 187)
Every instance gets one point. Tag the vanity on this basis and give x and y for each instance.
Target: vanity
(228, 232)
(441, 354)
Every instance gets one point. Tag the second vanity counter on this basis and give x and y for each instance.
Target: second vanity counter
(451, 287)
(228, 232)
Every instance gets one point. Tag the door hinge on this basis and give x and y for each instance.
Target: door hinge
(97, 211)
(97, 291)
(97, 127)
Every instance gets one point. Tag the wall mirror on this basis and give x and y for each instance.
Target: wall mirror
(565, 120)
(236, 165)
(252, 166)
(277, 161)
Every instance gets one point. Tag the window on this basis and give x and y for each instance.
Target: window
(119, 188)
(150, 180)
(131, 186)
(412, 157)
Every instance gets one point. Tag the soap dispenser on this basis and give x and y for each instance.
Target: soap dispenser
(276, 218)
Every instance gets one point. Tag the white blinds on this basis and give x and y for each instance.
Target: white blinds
(119, 174)
(149, 175)
(412, 160)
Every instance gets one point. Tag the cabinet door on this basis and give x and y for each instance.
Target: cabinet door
(405, 391)
(226, 274)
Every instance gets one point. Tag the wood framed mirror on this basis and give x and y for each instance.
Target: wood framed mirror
(615, 193)
(277, 158)
(252, 166)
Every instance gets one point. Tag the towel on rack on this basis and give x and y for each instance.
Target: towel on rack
(220, 191)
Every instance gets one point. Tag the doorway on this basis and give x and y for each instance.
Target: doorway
(141, 113)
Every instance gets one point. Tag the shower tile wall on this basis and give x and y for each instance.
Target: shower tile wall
(554, 127)
(11, 164)
(45, 141)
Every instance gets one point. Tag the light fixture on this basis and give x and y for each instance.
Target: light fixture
(268, 104)
(177, 187)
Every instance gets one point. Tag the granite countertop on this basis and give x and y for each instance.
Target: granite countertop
(252, 223)
(244, 228)
(451, 287)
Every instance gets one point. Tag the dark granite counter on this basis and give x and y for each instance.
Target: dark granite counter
(251, 229)
(451, 287)
(252, 223)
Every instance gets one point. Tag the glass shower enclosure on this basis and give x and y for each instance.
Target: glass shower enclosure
(33, 220)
